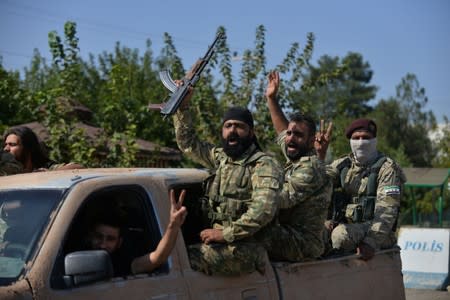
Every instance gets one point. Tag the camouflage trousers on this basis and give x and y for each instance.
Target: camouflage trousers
(347, 237)
(283, 242)
(227, 259)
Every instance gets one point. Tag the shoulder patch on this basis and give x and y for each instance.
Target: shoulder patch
(267, 182)
(392, 190)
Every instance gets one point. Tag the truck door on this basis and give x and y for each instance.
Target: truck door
(140, 204)
(201, 286)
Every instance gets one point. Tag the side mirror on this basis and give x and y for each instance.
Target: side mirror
(87, 266)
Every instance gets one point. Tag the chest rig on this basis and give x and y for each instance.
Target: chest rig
(230, 189)
(360, 208)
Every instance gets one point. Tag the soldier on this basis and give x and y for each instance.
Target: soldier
(242, 195)
(8, 164)
(366, 197)
(297, 236)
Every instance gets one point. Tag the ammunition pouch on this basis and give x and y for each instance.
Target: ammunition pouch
(205, 207)
(227, 209)
(339, 203)
(204, 202)
(361, 211)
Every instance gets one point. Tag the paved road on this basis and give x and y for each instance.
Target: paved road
(413, 294)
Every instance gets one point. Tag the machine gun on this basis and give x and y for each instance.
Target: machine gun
(180, 92)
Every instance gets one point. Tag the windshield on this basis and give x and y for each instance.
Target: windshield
(23, 217)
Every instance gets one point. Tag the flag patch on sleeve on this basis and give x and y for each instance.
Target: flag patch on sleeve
(392, 190)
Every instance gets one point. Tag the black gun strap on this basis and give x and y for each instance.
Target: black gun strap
(372, 183)
(343, 168)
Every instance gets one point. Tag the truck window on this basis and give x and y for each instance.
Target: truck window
(24, 215)
(125, 208)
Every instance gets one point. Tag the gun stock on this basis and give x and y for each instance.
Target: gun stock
(180, 92)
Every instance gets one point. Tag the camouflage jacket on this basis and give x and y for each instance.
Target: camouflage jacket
(305, 198)
(390, 180)
(8, 165)
(244, 191)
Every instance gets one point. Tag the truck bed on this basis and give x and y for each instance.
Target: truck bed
(346, 277)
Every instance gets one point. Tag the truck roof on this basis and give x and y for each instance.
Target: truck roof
(67, 178)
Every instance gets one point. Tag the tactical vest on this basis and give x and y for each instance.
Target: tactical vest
(361, 208)
(224, 209)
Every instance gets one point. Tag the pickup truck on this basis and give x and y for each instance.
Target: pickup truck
(43, 223)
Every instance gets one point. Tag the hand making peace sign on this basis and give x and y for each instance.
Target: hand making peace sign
(322, 139)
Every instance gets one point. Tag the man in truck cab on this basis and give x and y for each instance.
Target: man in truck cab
(366, 197)
(106, 233)
(242, 197)
(297, 234)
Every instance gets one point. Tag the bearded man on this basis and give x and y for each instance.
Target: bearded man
(242, 196)
(298, 233)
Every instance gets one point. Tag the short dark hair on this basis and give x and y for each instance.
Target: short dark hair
(112, 218)
(31, 144)
(303, 118)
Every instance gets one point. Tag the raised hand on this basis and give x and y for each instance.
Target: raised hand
(272, 85)
(177, 211)
(322, 139)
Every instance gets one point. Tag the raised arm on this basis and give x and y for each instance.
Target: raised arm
(187, 140)
(149, 262)
(278, 119)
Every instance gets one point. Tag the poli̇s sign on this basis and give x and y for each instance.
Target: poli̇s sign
(425, 257)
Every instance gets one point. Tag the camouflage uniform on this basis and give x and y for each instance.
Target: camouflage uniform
(303, 207)
(8, 165)
(242, 200)
(379, 231)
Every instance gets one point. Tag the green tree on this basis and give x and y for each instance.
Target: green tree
(15, 101)
(342, 88)
(442, 146)
(404, 125)
(337, 89)
(39, 76)
(67, 141)
(65, 59)
(119, 85)
(387, 114)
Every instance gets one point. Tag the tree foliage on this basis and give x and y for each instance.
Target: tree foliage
(405, 124)
(442, 146)
(15, 100)
(118, 85)
(336, 89)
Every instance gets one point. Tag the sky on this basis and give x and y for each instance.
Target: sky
(395, 37)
